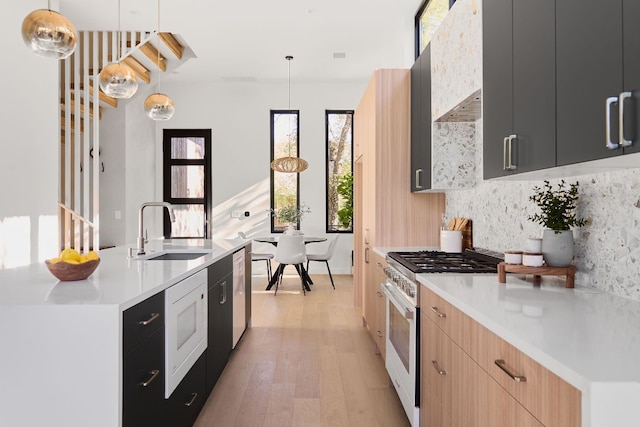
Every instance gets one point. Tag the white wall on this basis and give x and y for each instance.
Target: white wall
(29, 147)
(238, 115)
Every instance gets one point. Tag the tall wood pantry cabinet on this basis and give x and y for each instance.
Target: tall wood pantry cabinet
(386, 212)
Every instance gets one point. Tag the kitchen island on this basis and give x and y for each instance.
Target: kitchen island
(587, 338)
(62, 342)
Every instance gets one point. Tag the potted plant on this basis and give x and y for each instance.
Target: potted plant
(290, 215)
(557, 214)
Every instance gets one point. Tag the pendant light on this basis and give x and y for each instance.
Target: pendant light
(289, 164)
(49, 34)
(117, 80)
(158, 105)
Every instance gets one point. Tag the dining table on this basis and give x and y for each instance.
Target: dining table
(306, 279)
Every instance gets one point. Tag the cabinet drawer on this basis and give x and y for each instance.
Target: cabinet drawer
(189, 397)
(440, 312)
(219, 269)
(550, 399)
(143, 383)
(141, 320)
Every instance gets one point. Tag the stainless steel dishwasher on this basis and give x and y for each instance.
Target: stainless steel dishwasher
(239, 319)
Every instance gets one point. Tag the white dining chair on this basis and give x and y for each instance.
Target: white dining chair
(290, 251)
(259, 256)
(324, 257)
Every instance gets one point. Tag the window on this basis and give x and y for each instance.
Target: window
(428, 19)
(187, 181)
(285, 187)
(339, 134)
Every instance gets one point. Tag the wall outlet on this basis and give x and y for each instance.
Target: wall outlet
(118, 214)
(236, 214)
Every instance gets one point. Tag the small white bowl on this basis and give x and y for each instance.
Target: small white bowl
(532, 259)
(513, 257)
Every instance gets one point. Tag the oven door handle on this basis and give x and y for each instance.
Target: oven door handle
(408, 311)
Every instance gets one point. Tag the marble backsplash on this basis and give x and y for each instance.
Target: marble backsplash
(607, 249)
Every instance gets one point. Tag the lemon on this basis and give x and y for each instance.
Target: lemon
(70, 254)
(83, 258)
(54, 260)
(92, 255)
(71, 261)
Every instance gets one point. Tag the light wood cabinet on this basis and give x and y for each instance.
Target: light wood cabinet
(463, 386)
(377, 310)
(386, 213)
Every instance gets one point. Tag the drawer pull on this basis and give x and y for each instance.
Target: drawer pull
(153, 317)
(153, 376)
(379, 293)
(379, 334)
(438, 312)
(437, 368)
(517, 378)
(193, 399)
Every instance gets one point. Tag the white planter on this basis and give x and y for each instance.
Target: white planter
(557, 248)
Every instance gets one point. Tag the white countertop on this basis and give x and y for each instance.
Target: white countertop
(587, 337)
(118, 280)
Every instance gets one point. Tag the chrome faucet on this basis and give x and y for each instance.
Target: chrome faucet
(141, 239)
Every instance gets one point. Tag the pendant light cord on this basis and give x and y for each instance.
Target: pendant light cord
(289, 58)
(158, 47)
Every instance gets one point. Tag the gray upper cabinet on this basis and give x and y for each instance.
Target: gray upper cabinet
(589, 71)
(518, 86)
(631, 78)
(421, 122)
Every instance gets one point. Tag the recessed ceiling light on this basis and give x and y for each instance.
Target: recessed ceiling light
(339, 55)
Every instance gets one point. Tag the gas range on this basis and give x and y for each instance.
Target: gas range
(403, 266)
(473, 260)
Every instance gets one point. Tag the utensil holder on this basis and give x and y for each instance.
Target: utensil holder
(451, 241)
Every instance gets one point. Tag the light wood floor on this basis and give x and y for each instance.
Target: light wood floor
(306, 361)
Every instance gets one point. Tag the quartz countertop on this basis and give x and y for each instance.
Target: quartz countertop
(118, 280)
(587, 337)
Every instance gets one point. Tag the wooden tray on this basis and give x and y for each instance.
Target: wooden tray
(569, 272)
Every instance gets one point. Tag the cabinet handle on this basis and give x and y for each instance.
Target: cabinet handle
(366, 255)
(434, 363)
(623, 141)
(193, 399)
(379, 334)
(224, 292)
(610, 144)
(517, 378)
(418, 173)
(366, 236)
(151, 318)
(153, 376)
(438, 312)
(379, 294)
(507, 153)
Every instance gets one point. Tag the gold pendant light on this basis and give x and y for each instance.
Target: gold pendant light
(117, 80)
(289, 164)
(158, 105)
(49, 34)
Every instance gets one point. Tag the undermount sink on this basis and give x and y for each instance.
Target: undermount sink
(175, 255)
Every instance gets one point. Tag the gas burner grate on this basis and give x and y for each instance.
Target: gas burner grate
(471, 261)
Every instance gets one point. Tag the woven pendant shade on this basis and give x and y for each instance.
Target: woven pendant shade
(289, 164)
(49, 34)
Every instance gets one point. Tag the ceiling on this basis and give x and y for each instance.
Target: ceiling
(247, 41)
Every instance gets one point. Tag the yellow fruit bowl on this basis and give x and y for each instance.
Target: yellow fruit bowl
(68, 272)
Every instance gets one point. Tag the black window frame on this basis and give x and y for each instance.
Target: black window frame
(272, 113)
(328, 230)
(416, 25)
(167, 162)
